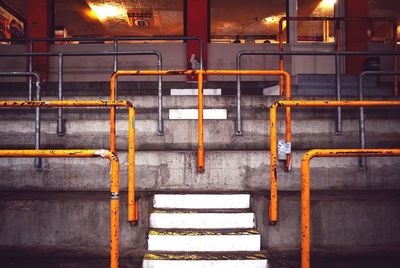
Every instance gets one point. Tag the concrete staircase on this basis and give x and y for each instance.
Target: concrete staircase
(203, 230)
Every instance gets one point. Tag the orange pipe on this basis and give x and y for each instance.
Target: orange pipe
(114, 181)
(305, 187)
(200, 134)
(273, 207)
(200, 74)
(132, 206)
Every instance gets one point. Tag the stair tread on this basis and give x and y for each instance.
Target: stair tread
(202, 211)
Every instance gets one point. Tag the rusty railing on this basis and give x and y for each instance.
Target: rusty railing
(273, 209)
(132, 204)
(305, 187)
(114, 185)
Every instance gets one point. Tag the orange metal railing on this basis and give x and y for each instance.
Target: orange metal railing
(305, 187)
(273, 208)
(114, 182)
(133, 214)
(338, 45)
(200, 74)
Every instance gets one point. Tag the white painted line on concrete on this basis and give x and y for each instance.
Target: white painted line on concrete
(205, 263)
(198, 243)
(202, 201)
(221, 114)
(201, 220)
(194, 91)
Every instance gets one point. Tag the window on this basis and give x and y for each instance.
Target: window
(382, 31)
(250, 21)
(316, 31)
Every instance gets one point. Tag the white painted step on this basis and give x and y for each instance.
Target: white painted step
(205, 264)
(187, 114)
(202, 241)
(202, 201)
(198, 220)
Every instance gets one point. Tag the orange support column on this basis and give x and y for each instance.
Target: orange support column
(38, 26)
(356, 34)
(197, 22)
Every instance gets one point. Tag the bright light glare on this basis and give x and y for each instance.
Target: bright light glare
(271, 19)
(108, 11)
(327, 4)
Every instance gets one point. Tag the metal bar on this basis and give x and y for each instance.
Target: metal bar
(200, 130)
(362, 161)
(115, 66)
(30, 69)
(37, 161)
(160, 125)
(114, 189)
(132, 205)
(273, 164)
(338, 19)
(238, 130)
(60, 119)
(338, 96)
(305, 187)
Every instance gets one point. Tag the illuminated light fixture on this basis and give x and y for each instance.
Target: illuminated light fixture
(271, 19)
(327, 4)
(104, 12)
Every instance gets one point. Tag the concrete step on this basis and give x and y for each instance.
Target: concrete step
(176, 171)
(178, 219)
(221, 260)
(194, 241)
(201, 201)
(182, 134)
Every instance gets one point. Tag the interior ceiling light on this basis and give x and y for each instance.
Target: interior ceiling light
(327, 4)
(104, 12)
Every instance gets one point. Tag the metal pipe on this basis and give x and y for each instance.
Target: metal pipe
(305, 187)
(238, 131)
(60, 119)
(339, 19)
(132, 204)
(200, 132)
(273, 163)
(60, 122)
(115, 66)
(30, 69)
(338, 96)
(114, 181)
(37, 161)
(362, 161)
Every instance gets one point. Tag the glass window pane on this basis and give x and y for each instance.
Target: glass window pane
(382, 31)
(122, 18)
(316, 31)
(248, 21)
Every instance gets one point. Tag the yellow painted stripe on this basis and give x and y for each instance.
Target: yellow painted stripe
(256, 256)
(195, 233)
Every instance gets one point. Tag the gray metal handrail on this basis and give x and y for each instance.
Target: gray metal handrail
(61, 55)
(337, 55)
(38, 161)
(362, 161)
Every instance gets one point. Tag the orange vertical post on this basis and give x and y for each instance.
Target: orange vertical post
(200, 132)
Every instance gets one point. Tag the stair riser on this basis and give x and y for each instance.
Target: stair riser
(205, 264)
(193, 201)
(202, 220)
(204, 243)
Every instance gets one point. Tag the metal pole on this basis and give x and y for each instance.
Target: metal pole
(338, 96)
(37, 161)
(115, 68)
(238, 97)
(160, 125)
(30, 68)
(60, 121)
(362, 165)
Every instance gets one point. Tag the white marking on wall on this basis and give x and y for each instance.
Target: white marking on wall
(202, 201)
(271, 91)
(220, 114)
